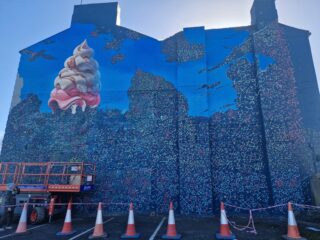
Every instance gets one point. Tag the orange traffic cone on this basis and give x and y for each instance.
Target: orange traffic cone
(225, 232)
(171, 230)
(98, 229)
(131, 229)
(51, 208)
(22, 226)
(293, 231)
(67, 226)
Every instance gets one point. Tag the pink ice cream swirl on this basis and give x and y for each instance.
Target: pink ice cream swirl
(78, 83)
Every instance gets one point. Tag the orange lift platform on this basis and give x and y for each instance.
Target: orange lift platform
(40, 181)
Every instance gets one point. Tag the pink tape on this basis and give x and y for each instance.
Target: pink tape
(255, 209)
(250, 227)
(65, 204)
(306, 206)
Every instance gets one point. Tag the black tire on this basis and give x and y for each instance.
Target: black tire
(38, 215)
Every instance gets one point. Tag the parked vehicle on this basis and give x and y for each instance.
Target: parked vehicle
(40, 182)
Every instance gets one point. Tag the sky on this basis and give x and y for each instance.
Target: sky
(25, 22)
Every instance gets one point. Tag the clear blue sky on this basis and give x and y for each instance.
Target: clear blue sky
(25, 22)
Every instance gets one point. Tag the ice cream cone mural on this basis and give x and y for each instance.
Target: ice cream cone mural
(78, 83)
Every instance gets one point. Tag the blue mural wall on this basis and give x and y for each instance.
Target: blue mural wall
(200, 117)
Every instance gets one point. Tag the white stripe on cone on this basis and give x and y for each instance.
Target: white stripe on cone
(223, 219)
(291, 219)
(99, 217)
(68, 216)
(131, 217)
(171, 217)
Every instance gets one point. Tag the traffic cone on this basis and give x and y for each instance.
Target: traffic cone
(98, 229)
(293, 231)
(131, 229)
(171, 230)
(225, 232)
(22, 226)
(67, 226)
(51, 208)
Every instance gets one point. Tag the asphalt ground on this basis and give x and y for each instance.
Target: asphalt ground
(153, 227)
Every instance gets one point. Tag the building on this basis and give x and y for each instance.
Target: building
(203, 116)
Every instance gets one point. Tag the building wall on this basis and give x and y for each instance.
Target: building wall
(201, 117)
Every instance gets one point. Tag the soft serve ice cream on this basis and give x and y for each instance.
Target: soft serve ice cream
(78, 83)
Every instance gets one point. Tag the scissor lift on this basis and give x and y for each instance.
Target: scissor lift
(39, 182)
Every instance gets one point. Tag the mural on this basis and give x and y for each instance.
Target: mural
(78, 83)
(122, 52)
(200, 117)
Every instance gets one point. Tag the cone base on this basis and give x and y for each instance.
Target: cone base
(178, 236)
(22, 233)
(125, 236)
(104, 235)
(65, 233)
(290, 238)
(231, 237)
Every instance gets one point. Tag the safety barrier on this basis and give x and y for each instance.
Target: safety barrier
(224, 220)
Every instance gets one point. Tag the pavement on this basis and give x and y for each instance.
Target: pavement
(153, 227)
